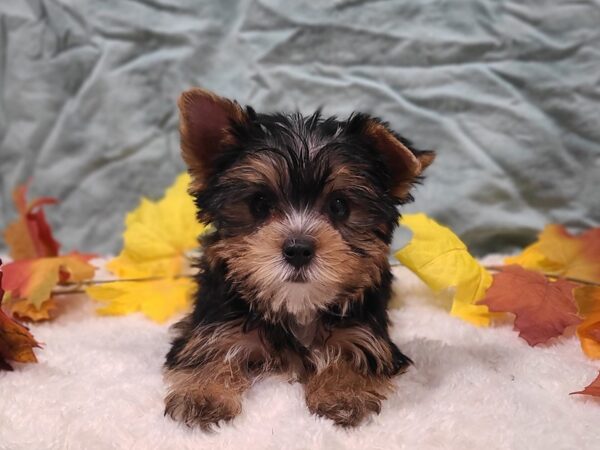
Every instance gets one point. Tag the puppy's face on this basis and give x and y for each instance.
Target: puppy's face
(304, 207)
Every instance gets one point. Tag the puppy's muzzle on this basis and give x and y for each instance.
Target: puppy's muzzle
(298, 251)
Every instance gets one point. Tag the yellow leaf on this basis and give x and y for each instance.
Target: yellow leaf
(156, 239)
(157, 299)
(532, 258)
(158, 234)
(557, 252)
(442, 260)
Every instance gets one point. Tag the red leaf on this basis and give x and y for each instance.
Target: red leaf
(30, 236)
(592, 389)
(1, 289)
(543, 308)
(16, 342)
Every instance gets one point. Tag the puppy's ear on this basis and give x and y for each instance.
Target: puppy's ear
(405, 163)
(205, 126)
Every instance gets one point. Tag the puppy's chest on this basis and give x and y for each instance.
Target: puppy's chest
(307, 334)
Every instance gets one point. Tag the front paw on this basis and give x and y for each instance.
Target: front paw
(346, 408)
(345, 396)
(203, 408)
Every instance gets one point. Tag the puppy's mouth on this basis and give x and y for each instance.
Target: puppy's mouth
(297, 277)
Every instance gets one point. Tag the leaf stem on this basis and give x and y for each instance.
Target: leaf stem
(75, 288)
(549, 275)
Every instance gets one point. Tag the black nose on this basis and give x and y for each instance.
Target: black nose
(298, 251)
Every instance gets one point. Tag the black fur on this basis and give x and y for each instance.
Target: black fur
(289, 137)
(216, 303)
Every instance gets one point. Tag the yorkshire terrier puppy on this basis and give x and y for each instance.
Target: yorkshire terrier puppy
(294, 278)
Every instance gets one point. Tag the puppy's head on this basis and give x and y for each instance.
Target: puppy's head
(304, 207)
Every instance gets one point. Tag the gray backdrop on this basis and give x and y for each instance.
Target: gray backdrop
(507, 91)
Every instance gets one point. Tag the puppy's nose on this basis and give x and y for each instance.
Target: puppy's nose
(298, 251)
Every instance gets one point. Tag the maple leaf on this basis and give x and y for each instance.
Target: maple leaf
(158, 234)
(34, 279)
(592, 389)
(16, 342)
(37, 267)
(156, 239)
(543, 308)
(589, 335)
(157, 299)
(442, 260)
(30, 236)
(588, 299)
(559, 253)
(23, 310)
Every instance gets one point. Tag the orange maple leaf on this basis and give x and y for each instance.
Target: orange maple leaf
(22, 309)
(16, 342)
(543, 308)
(30, 236)
(592, 389)
(34, 279)
(562, 254)
(588, 299)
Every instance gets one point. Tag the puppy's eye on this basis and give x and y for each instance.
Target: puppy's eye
(260, 206)
(338, 208)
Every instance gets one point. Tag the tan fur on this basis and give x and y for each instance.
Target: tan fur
(349, 345)
(218, 364)
(197, 148)
(261, 168)
(256, 264)
(225, 342)
(209, 374)
(205, 395)
(344, 395)
(404, 165)
(214, 368)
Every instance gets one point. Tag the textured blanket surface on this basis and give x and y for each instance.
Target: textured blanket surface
(98, 386)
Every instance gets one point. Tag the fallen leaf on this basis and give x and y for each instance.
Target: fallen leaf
(23, 310)
(533, 258)
(592, 389)
(588, 299)
(16, 342)
(578, 256)
(442, 261)
(30, 236)
(34, 279)
(157, 299)
(588, 331)
(557, 252)
(157, 237)
(543, 308)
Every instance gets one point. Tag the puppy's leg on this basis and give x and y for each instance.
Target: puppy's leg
(208, 370)
(352, 375)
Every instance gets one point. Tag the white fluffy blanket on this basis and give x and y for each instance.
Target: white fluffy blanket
(98, 386)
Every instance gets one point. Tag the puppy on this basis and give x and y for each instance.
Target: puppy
(294, 278)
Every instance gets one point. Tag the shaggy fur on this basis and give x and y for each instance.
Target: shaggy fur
(294, 279)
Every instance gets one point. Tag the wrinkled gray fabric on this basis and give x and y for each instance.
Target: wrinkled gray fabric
(508, 92)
